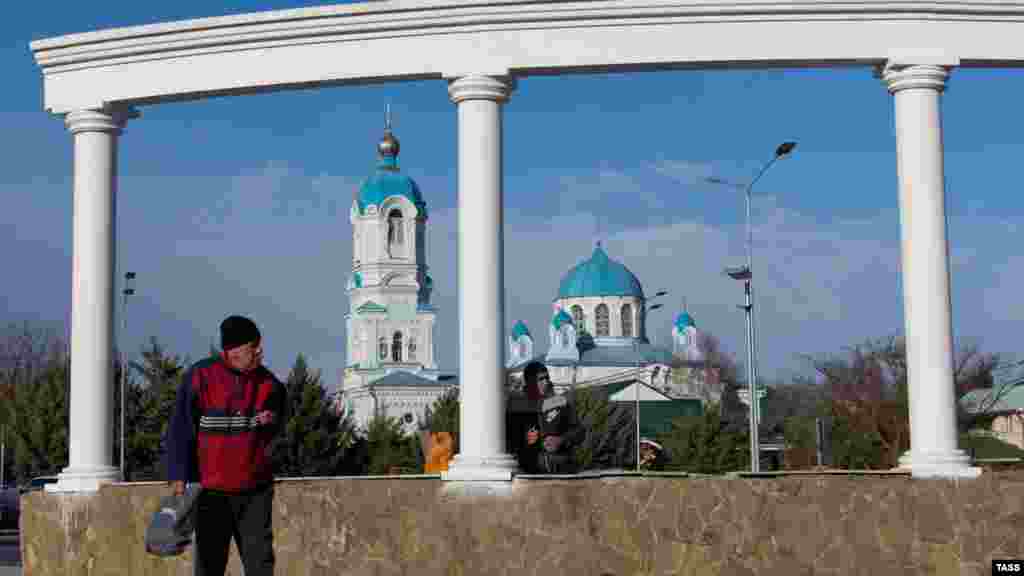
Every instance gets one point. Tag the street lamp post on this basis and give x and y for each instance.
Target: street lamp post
(746, 275)
(636, 384)
(129, 289)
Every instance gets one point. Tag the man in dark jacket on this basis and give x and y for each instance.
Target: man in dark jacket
(227, 412)
(549, 444)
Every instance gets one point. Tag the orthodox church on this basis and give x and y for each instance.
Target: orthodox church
(598, 337)
(390, 363)
(597, 332)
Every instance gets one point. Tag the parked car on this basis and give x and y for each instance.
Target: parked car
(38, 482)
(9, 509)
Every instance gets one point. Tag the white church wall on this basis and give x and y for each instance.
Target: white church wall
(589, 305)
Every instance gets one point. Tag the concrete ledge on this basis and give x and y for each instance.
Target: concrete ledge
(617, 523)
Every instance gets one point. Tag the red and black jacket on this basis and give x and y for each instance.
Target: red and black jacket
(212, 436)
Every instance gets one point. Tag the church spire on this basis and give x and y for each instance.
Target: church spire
(388, 146)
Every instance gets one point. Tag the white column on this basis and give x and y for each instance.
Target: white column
(90, 458)
(925, 263)
(482, 453)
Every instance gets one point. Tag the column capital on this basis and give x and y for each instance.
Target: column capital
(481, 87)
(106, 120)
(899, 77)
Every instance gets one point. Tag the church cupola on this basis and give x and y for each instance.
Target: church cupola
(520, 344)
(387, 181)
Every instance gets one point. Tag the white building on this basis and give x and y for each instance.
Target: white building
(391, 363)
(598, 336)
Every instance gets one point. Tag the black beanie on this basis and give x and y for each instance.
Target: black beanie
(236, 331)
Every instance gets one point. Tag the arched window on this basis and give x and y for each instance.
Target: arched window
(382, 346)
(627, 320)
(396, 347)
(412, 348)
(601, 317)
(577, 318)
(396, 234)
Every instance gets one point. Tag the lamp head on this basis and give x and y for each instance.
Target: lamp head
(784, 149)
(739, 273)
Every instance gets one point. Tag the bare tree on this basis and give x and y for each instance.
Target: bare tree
(876, 370)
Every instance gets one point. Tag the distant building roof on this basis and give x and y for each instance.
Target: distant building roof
(642, 354)
(404, 378)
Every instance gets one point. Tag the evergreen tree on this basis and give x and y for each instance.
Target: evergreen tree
(705, 444)
(315, 440)
(150, 403)
(35, 380)
(389, 449)
(605, 434)
(443, 416)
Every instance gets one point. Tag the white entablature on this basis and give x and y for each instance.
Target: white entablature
(402, 40)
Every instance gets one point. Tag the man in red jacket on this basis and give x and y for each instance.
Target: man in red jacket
(227, 411)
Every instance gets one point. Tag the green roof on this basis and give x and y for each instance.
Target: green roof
(386, 182)
(599, 275)
(684, 320)
(372, 307)
(520, 329)
(996, 399)
(561, 318)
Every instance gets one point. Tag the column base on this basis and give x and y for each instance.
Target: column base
(954, 464)
(84, 479)
(497, 468)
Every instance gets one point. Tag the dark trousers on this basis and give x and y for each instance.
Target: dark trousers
(246, 517)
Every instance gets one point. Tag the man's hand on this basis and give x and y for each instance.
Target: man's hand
(265, 418)
(532, 436)
(179, 487)
(552, 443)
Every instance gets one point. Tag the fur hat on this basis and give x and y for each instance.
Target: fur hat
(237, 331)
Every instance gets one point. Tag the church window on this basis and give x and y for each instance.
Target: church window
(601, 317)
(577, 318)
(412, 348)
(396, 347)
(396, 234)
(627, 320)
(383, 348)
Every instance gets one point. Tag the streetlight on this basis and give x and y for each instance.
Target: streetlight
(746, 275)
(636, 383)
(129, 289)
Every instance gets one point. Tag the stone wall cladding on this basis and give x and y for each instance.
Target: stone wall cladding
(594, 526)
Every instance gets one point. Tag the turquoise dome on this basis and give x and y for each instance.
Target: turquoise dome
(520, 329)
(561, 318)
(684, 321)
(599, 276)
(387, 181)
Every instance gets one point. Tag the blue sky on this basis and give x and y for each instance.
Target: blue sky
(239, 205)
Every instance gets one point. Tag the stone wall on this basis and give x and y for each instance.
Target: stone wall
(787, 525)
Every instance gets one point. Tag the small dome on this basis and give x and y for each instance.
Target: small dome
(560, 318)
(599, 276)
(684, 320)
(519, 330)
(387, 181)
